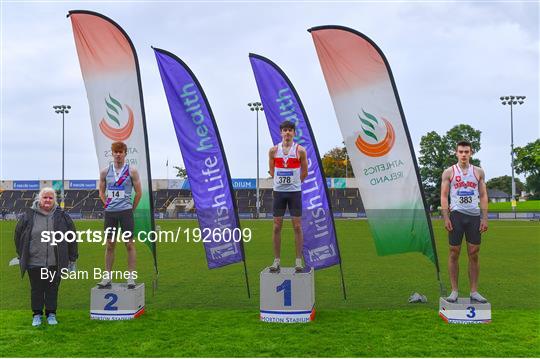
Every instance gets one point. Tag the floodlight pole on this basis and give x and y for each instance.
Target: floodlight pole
(512, 100)
(512, 153)
(257, 106)
(63, 109)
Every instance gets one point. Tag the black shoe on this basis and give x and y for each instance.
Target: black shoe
(299, 267)
(451, 299)
(131, 284)
(477, 298)
(104, 285)
(275, 267)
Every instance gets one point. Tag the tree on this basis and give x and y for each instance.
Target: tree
(533, 186)
(181, 172)
(527, 161)
(438, 153)
(528, 158)
(433, 160)
(504, 183)
(460, 133)
(334, 162)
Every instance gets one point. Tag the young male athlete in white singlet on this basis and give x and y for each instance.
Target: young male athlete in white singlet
(288, 166)
(466, 186)
(116, 182)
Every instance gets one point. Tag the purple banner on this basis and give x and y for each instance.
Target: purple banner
(82, 184)
(281, 102)
(203, 155)
(26, 185)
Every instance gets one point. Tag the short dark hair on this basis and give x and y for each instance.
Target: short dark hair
(287, 124)
(464, 143)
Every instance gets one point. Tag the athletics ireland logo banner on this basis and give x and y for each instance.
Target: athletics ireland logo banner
(371, 131)
(110, 71)
(115, 111)
(202, 152)
(373, 125)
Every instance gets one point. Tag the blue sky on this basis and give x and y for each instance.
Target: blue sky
(451, 62)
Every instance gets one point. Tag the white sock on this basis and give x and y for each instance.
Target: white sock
(454, 295)
(477, 296)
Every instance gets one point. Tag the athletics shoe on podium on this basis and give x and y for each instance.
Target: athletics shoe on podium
(464, 311)
(287, 296)
(117, 302)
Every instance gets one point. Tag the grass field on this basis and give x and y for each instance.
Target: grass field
(205, 313)
(527, 206)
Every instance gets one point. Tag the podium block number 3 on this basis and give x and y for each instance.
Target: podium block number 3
(287, 295)
(472, 312)
(113, 299)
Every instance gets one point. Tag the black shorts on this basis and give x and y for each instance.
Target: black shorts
(120, 219)
(293, 200)
(463, 224)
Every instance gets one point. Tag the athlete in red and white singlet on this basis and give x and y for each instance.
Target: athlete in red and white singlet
(288, 166)
(466, 186)
(287, 170)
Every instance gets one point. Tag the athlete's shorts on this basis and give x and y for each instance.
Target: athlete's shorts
(464, 224)
(282, 200)
(120, 219)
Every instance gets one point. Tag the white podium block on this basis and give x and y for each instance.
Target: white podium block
(117, 303)
(464, 312)
(287, 296)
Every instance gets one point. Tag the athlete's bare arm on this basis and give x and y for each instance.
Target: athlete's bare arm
(445, 190)
(303, 162)
(136, 180)
(103, 185)
(271, 164)
(482, 191)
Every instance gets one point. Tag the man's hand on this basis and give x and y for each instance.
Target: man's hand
(483, 225)
(447, 221)
(448, 225)
(136, 180)
(445, 190)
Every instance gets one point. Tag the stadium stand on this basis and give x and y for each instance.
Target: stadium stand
(171, 201)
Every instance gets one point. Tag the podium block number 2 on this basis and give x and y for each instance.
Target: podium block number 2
(287, 295)
(113, 299)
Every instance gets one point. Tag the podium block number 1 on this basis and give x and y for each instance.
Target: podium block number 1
(110, 306)
(287, 295)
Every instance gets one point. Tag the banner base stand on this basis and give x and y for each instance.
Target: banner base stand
(464, 311)
(117, 302)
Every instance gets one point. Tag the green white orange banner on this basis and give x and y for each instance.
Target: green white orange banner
(111, 76)
(373, 125)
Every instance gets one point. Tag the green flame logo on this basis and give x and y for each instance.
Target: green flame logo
(114, 106)
(367, 125)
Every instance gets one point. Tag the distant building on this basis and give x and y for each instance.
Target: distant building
(496, 195)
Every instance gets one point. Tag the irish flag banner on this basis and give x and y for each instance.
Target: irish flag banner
(110, 71)
(373, 125)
